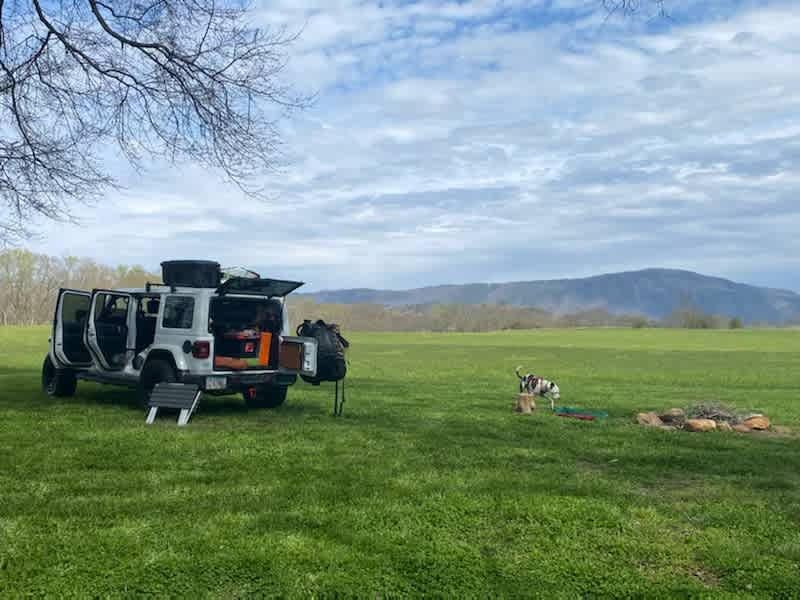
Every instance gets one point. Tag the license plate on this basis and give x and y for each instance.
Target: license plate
(216, 383)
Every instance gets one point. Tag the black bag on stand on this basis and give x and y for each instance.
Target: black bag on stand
(331, 361)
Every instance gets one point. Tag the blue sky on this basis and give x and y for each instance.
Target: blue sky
(500, 140)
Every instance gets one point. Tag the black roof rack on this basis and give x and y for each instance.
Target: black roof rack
(148, 286)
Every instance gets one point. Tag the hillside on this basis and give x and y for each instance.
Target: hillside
(654, 293)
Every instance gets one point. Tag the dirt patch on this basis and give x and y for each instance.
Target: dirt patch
(705, 576)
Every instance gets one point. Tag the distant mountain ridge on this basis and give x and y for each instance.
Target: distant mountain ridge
(653, 293)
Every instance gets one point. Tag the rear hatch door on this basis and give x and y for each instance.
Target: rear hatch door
(271, 288)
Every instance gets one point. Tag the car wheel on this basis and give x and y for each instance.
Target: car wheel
(57, 382)
(154, 372)
(267, 396)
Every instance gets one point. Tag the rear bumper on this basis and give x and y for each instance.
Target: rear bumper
(238, 382)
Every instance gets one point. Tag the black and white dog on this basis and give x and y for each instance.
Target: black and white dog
(539, 386)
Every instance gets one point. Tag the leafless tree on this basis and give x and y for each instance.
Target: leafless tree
(29, 282)
(84, 82)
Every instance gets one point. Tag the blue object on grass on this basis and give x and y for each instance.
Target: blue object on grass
(568, 410)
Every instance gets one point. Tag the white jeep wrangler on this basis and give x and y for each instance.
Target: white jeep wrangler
(225, 336)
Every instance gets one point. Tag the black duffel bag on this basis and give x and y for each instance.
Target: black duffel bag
(331, 361)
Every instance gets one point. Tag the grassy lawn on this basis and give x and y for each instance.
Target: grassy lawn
(428, 485)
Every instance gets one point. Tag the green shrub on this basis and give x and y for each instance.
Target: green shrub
(735, 323)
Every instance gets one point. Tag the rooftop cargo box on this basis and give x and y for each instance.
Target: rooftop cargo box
(191, 273)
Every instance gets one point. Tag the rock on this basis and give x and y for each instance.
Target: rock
(668, 428)
(649, 419)
(526, 403)
(700, 425)
(751, 415)
(759, 423)
(741, 428)
(724, 426)
(673, 415)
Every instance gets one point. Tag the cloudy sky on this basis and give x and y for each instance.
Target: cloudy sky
(498, 140)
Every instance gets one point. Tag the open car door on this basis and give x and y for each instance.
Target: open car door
(67, 340)
(111, 330)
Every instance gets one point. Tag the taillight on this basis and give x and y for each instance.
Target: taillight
(201, 349)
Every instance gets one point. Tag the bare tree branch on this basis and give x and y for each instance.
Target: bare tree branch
(81, 80)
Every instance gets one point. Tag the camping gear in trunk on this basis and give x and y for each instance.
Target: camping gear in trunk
(247, 330)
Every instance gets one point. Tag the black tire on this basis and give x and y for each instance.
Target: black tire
(155, 371)
(267, 396)
(56, 382)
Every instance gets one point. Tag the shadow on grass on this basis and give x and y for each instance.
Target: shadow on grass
(22, 372)
(473, 427)
(217, 406)
(19, 386)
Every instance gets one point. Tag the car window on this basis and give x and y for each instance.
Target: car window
(148, 306)
(111, 308)
(178, 312)
(74, 308)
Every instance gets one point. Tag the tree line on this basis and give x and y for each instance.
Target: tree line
(450, 317)
(29, 283)
(492, 317)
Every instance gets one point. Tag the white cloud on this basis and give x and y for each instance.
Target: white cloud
(446, 146)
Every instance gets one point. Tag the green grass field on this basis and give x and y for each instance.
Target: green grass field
(429, 484)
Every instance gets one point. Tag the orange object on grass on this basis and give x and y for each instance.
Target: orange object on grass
(263, 350)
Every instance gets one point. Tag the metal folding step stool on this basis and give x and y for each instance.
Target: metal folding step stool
(174, 395)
